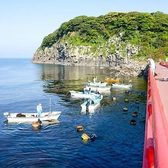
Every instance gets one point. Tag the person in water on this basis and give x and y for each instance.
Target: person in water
(39, 110)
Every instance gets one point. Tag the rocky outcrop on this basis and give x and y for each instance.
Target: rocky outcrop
(112, 55)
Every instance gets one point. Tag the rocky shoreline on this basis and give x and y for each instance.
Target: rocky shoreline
(134, 68)
(70, 55)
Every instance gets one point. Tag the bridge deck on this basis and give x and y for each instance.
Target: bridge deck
(162, 85)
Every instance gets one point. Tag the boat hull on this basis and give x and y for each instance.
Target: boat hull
(91, 105)
(106, 89)
(97, 84)
(112, 80)
(122, 86)
(87, 95)
(32, 117)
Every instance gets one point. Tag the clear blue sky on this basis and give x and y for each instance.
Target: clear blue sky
(24, 23)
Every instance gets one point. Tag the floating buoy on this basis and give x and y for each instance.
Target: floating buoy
(35, 124)
(126, 100)
(133, 122)
(134, 114)
(85, 136)
(114, 98)
(125, 109)
(79, 128)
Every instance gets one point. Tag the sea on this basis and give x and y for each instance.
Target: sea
(23, 85)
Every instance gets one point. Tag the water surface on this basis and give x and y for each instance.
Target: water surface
(118, 144)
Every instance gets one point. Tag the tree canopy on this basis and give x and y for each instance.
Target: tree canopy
(148, 30)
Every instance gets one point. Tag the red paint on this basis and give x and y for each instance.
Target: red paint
(150, 156)
(156, 129)
(150, 109)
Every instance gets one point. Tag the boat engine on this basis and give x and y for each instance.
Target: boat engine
(6, 114)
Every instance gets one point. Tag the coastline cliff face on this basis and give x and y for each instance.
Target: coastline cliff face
(118, 40)
(73, 55)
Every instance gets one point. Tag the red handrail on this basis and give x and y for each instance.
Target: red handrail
(156, 129)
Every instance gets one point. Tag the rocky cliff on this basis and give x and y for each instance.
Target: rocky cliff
(73, 55)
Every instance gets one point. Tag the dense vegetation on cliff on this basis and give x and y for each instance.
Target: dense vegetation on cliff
(149, 31)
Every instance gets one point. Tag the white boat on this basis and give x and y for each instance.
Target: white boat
(91, 104)
(106, 89)
(31, 117)
(97, 84)
(122, 86)
(84, 94)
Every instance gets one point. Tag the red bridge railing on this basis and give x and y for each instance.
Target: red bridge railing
(156, 129)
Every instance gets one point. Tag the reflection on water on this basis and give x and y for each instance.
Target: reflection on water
(59, 72)
(61, 79)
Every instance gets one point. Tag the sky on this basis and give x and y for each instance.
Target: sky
(24, 23)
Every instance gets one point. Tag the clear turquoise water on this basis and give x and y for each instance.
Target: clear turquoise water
(118, 144)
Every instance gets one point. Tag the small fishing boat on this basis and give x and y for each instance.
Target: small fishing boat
(91, 104)
(97, 84)
(85, 94)
(112, 80)
(121, 86)
(31, 117)
(106, 89)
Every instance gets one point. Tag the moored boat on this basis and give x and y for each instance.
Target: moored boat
(112, 80)
(106, 89)
(91, 104)
(122, 86)
(85, 94)
(31, 117)
(97, 84)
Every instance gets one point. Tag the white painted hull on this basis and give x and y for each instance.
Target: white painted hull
(89, 106)
(75, 94)
(99, 89)
(31, 117)
(121, 86)
(97, 84)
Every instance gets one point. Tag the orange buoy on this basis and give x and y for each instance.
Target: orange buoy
(35, 124)
(134, 114)
(85, 136)
(126, 100)
(125, 109)
(133, 122)
(79, 128)
(114, 98)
